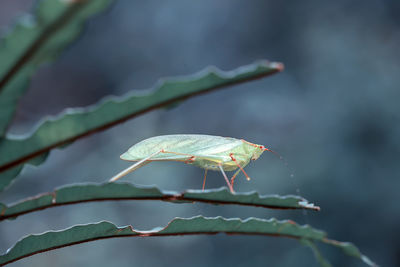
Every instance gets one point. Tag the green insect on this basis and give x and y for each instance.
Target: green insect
(205, 151)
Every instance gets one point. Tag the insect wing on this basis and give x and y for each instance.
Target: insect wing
(187, 145)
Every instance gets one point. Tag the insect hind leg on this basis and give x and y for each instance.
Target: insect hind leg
(135, 166)
(204, 181)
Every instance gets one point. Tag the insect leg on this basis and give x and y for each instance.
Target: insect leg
(240, 167)
(135, 166)
(190, 160)
(226, 179)
(234, 177)
(205, 176)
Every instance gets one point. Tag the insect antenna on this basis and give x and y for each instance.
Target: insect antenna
(273, 152)
(280, 157)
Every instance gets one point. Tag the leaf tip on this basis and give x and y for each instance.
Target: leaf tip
(277, 65)
(308, 205)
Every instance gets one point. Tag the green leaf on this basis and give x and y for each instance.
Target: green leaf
(34, 244)
(224, 196)
(77, 123)
(8, 176)
(124, 191)
(349, 249)
(36, 39)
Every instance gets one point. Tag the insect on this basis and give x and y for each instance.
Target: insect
(205, 151)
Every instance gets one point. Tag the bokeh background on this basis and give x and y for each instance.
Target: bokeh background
(333, 114)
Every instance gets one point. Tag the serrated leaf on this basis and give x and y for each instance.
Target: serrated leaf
(36, 39)
(8, 176)
(350, 249)
(224, 196)
(77, 123)
(33, 244)
(81, 193)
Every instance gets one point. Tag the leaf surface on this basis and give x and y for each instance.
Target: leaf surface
(33, 244)
(79, 122)
(36, 39)
(81, 193)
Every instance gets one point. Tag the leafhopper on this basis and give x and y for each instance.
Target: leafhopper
(209, 152)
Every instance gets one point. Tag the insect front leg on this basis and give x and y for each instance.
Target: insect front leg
(234, 177)
(240, 168)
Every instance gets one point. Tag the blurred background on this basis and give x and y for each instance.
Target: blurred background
(333, 114)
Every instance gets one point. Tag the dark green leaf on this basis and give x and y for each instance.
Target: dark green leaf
(115, 191)
(223, 195)
(34, 244)
(349, 249)
(76, 123)
(36, 39)
(8, 176)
